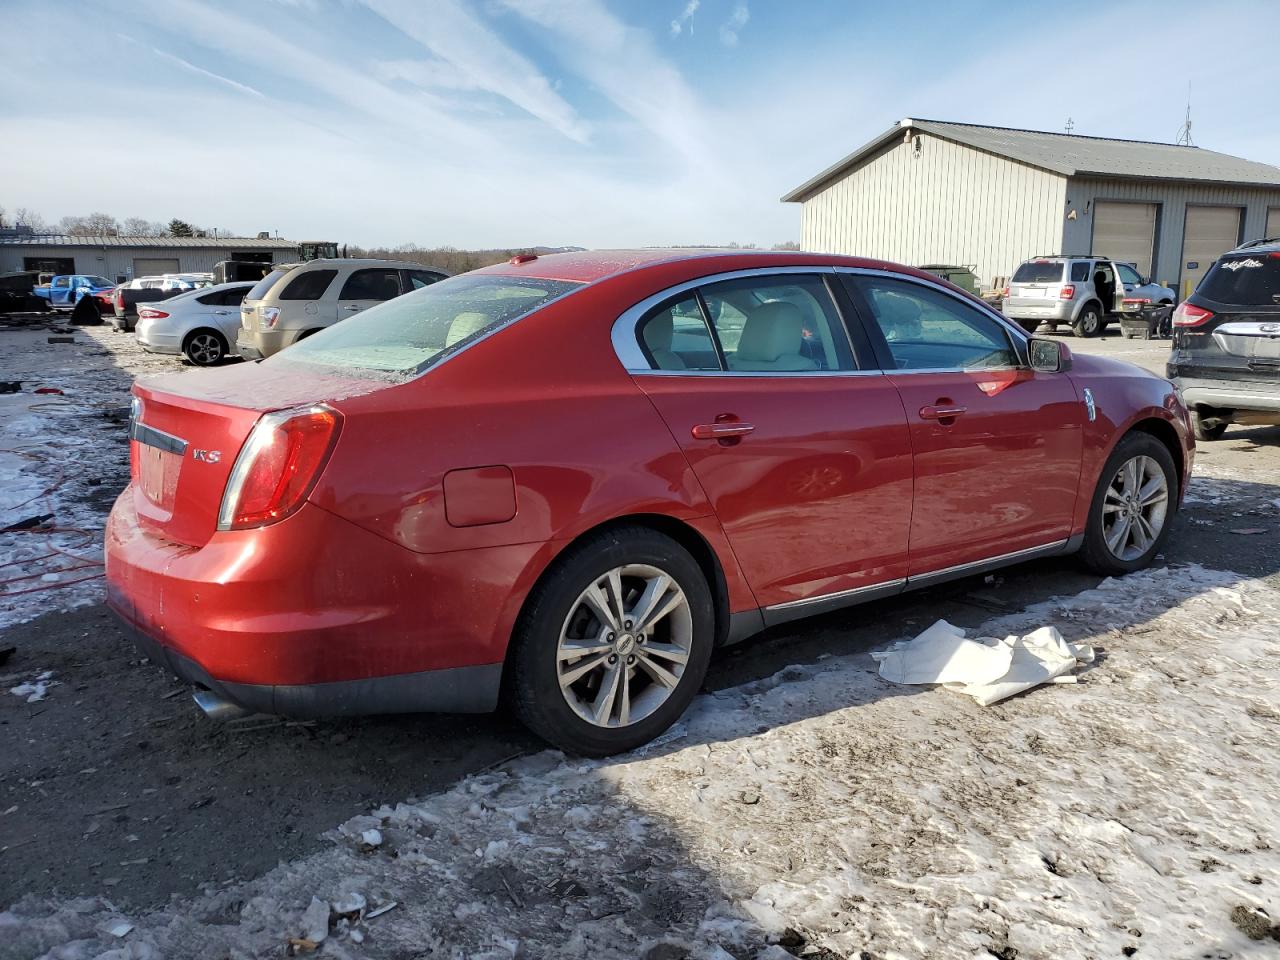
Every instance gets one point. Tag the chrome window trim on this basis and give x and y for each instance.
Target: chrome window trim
(838, 595)
(1019, 337)
(626, 338)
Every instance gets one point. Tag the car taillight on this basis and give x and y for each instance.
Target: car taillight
(1067, 292)
(1189, 315)
(270, 315)
(1005, 293)
(278, 466)
(150, 313)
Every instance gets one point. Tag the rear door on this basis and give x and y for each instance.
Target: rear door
(997, 446)
(802, 449)
(60, 291)
(367, 288)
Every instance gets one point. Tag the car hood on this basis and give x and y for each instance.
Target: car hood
(1087, 364)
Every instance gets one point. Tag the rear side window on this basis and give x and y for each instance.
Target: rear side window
(308, 285)
(211, 299)
(266, 283)
(675, 336)
(1080, 271)
(1039, 271)
(379, 283)
(1249, 280)
(779, 324)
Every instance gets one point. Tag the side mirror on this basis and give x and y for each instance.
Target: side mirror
(1048, 356)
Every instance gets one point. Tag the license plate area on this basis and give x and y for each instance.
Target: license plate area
(158, 475)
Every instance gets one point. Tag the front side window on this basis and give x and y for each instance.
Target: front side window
(401, 338)
(777, 324)
(926, 329)
(1128, 274)
(308, 285)
(60, 283)
(379, 283)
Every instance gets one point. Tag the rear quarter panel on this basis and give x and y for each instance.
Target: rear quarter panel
(1124, 396)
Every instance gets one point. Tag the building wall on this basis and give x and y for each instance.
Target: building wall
(949, 204)
(1173, 198)
(111, 261)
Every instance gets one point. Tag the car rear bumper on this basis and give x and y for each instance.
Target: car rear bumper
(1030, 309)
(314, 616)
(1229, 394)
(160, 343)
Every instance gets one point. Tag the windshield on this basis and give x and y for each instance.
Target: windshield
(1039, 271)
(1246, 280)
(404, 336)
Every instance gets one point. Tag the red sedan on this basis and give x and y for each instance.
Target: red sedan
(565, 480)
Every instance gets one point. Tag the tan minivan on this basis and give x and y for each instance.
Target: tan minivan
(297, 299)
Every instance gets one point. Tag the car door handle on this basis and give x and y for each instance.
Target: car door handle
(941, 412)
(722, 430)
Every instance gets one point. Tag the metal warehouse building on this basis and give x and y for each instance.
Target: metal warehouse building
(122, 258)
(928, 191)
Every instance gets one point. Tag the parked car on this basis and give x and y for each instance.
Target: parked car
(564, 480)
(199, 324)
(296, 300)
(128, 297)
(1081, 292)
(233, 271)
(66, 290)
(1226, 342)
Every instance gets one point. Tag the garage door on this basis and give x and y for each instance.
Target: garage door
(1210, 232)
(150, 266)
(1273, 222)
(1125, 231)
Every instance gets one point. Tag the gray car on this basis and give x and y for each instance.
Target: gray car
(1080, 292)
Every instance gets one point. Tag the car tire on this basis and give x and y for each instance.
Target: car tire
(1208, 428)
(553, 701)
(205, 348)
(1089, 323)
(1127, 526)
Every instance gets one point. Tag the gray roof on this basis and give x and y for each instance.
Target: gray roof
(216, 243)
(1070, 155)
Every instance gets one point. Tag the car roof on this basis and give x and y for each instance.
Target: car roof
(1265, 245)
(356, 262)
(588, 266)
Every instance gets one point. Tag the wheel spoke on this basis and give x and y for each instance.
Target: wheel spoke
(614, 593)
(1140, 538)
(1131, 476)
(596, 599)
(660, 674)
(572, 649)
(674, 600)
(1153, 491)
(580, 670)
(1119, 535)
(624, 707)
(667, 651)
(654, 590)
(602, 708)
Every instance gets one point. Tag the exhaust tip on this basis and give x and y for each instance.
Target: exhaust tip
(216, 707)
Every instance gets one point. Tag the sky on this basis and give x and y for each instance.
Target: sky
(598, 123)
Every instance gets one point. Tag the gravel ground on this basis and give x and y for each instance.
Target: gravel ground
(114, 783)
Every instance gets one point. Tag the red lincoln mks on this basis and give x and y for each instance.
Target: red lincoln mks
(563, 481)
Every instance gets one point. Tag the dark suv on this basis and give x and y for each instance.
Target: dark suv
(1226, 341)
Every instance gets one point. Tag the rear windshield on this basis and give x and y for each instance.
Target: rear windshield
(266, 283)
(1039, 271)
(1252, 280)
(402, 337)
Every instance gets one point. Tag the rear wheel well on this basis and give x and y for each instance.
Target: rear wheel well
(1164, 432)
(191, 334)
(681, 533)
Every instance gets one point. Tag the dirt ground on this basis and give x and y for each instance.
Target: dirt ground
(116, 783)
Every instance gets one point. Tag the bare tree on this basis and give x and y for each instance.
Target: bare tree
(142, 227)
(26, 217)
(96, 224)
(787, 245)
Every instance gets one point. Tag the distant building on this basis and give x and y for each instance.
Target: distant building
(123, 258)
(927, 191)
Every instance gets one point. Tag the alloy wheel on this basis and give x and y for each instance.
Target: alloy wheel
(204, 349)
(624, 645)
(1135, 507)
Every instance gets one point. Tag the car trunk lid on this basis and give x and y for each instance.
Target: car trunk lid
(187, 429)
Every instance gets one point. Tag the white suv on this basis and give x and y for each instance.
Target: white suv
(296, 299)
(1081, 292)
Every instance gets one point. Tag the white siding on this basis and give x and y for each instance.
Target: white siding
(1172, 198)
(950, 204)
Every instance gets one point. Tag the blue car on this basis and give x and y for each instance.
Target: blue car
(66, 290)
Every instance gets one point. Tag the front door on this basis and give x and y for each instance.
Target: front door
(997, 447)
(805, 459)
(367, 288)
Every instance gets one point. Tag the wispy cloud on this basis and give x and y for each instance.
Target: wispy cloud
(454, 34)
(191, 67)
(730, 29)
(685, 17)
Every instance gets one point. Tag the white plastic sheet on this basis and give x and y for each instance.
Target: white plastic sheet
(987, 669)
